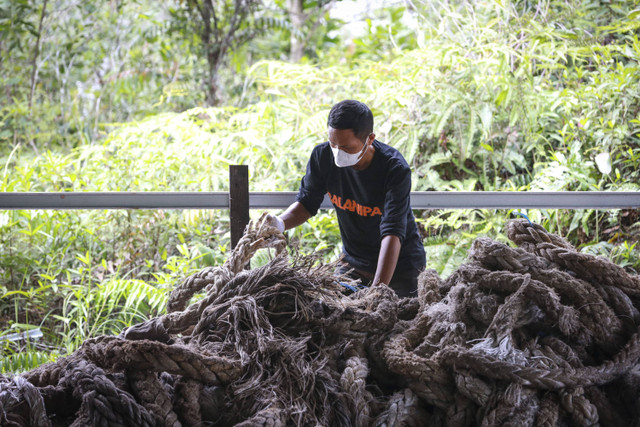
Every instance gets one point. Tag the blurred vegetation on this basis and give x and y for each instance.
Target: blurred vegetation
(113, 96)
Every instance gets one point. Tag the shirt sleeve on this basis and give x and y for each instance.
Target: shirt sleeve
(313, 185)
(397, 202)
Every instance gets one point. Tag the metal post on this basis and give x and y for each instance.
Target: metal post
(238, 201)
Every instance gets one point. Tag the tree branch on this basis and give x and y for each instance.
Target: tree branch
(215, 28)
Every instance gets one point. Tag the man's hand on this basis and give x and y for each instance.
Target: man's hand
(274, 221)
(269, 232)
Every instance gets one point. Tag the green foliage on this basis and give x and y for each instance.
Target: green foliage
(386, 36)
(449, 234)
(493, 95)
(625, 254)
(15, 22)
(105, 309)
(320, 236)
(218, 28)
(24, 361)
(84, 75)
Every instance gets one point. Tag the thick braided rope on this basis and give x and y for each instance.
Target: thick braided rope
(47, 374)
(21, 403)
(596, 270)
(102, 402)
(467, 348)
(276, 287)
(353, 382)
(438, 326)
(188, 401)
(549, 411)
(461, 412)
(473, 387)
(582, 411)
(181, 322)
(528, 235)
(514, 406)
(180, 296)
(430, 381)
(607, 414)
(552, 352)
(623, 307)
(523, 287)
(403, 409)
(269, 417)
(498, 256)
(595, 314)
(119, 354)
(447, 323)
(182, 316)
(480, 306)
(408, 308)
(153, 396)
(370, 311)
(429, 288)
(259, 234)
(491, 367)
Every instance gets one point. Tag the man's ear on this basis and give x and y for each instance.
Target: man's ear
(371, 137)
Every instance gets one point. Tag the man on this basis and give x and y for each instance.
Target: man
(369, 184)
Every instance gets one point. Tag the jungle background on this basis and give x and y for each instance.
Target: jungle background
(140, 95)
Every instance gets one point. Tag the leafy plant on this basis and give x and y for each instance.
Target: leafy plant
(500, 95)
(17, 363)
(106, 308)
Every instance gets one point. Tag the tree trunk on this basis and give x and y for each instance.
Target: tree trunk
(218, 23)
(36, 52)
(297, 20)
(213, 97)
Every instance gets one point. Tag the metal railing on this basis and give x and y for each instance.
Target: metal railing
(282, 199)
(239, 200)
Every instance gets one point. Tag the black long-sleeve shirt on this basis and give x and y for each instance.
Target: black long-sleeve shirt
(370, 204)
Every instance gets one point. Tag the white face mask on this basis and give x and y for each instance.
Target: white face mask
(344, 160)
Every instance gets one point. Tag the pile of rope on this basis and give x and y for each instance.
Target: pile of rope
(539, 334)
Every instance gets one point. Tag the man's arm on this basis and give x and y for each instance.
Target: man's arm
(295, 215)
(387, 259)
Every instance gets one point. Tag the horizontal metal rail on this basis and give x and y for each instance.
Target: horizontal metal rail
(275, 200)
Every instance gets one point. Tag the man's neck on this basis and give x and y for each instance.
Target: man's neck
(366, 159)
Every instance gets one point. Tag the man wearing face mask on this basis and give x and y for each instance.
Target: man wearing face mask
(369, 184)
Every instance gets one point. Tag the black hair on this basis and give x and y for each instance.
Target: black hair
(354, 115)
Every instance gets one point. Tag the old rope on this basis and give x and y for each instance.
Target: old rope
(538, 334)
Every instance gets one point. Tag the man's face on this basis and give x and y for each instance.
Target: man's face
(345, 140)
